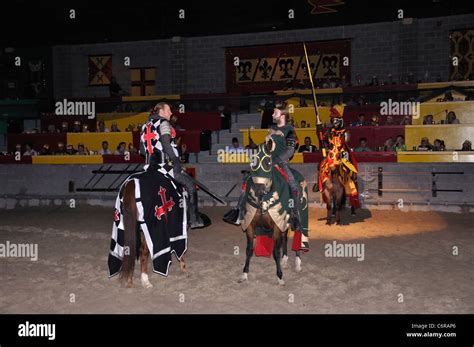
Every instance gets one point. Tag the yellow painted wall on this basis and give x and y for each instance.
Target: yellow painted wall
(93, 141)
(123, 119)
(452, 134)
(464, 111)
(308, 114)
(67, 159)
(435, 157)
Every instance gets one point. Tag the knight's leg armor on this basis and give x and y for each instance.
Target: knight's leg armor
(183, 179)
(295, 194)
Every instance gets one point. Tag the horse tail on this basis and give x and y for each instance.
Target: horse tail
(130, 234)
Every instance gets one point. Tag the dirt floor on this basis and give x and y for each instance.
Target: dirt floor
(408, 267)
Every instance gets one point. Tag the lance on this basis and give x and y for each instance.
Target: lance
(319, 125)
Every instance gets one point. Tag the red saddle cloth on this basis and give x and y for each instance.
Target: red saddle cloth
(263, 245)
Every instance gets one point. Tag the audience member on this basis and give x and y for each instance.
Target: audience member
(105, 148)
(361, 121)
(388, 145)
(29, 150)
(101, 128)
(61, 150)
(120, 149)
(428, 119)
(236, 145)
(466, 146)
(362, 146)
(438, 145)
(70, 149)
(399, 144)
(451, 118)
(114, 128)
(307, 147)
(425, 145)
(81, 150)
(374, 121)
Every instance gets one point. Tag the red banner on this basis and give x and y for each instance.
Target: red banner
(272, 67)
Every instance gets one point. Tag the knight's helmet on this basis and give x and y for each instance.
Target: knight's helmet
(336, 114)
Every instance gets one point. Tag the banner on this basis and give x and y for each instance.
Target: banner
(271, 67)
(462, 55)
(100, 70)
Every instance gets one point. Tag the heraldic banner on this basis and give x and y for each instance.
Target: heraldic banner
(272, 67)
(100, 70)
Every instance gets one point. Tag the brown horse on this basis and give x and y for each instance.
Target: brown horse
(333, 193)
(264, 178)
(134, 241)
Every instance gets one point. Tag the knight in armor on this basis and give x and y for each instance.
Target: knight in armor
(163, 150)
(281, 155)
(338, 153)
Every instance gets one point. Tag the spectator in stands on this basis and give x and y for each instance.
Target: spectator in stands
(70, 149)
(81, 150)
(114, 87)
(389, 120)
(17, 148)
(388, 145)
(29, 150)
(428, 119)
(120, 149)
(466, 146)
(399, 144)
(448, 96)
(45, 150)
(303, 102)
(77, 127)
(114, 128)
(360, 122)
(406, 120)
(425, 145)
(451, 118)
(105, 148)
(101, 128)
(51, 129)
(139, 127)
(130, 127)
(362, 146)
(236, 145)
(374, 121)
(183, 153)
(307, 147)
(61, 150)
(64, 127)
(85, 128)
(438, 145)
(131, 149)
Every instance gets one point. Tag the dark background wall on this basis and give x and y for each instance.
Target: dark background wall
(197, 64)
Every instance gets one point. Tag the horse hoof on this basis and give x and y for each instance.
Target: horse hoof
(284, 262)
(281, 282)
(298, 264)
(328, 223)
(147, 285)
(338, 223)
(243, 278)
(145, 282)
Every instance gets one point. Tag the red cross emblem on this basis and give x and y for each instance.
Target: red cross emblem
(166, 207)
(116, 216)
(148, 136)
